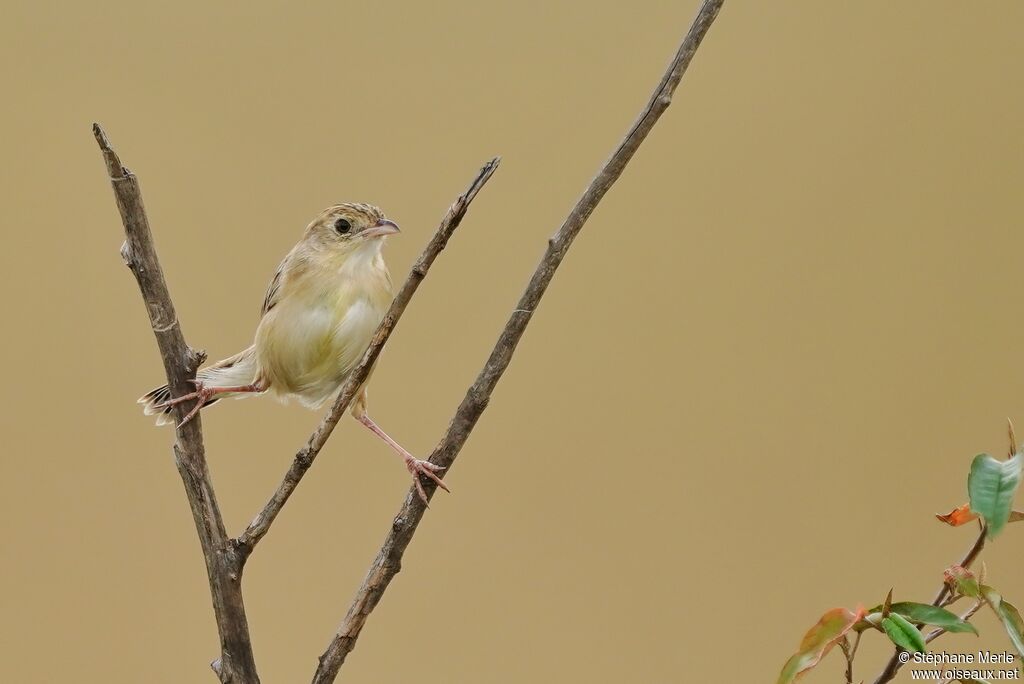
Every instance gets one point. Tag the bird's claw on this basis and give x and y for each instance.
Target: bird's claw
(419, 467)
(201, 395)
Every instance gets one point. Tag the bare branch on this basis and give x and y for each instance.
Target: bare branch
(850, 652)
(260, 525)
(389, 558)
(223, 566)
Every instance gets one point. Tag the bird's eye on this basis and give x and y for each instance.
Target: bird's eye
(342, 226)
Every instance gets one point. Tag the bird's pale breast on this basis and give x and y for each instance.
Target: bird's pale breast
(321, 327)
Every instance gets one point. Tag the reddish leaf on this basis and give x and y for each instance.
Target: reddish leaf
(962, 581)
(818, 641)
(958, 516)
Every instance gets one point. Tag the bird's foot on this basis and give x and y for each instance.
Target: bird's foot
(419, 467)
(201, 395)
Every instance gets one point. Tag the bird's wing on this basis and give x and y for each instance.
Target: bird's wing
(275, 284)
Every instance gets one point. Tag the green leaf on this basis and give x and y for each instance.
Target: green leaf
(903, 634)
(818, 641)
(1008, 615)
(917, 612)
(932, 615)
(991, 486)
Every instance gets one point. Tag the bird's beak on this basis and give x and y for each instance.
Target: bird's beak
(383, 227)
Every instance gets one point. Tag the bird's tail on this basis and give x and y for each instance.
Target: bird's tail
(240, 369)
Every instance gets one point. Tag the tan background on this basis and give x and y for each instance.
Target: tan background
(765, 364)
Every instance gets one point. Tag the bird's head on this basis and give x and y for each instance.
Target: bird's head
(346, 228)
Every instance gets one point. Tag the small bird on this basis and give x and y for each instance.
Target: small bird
(320, 312)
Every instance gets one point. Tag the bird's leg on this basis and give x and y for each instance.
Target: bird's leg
(416, 466)
(203, 394)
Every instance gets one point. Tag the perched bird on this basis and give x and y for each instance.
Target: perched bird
(322, 307)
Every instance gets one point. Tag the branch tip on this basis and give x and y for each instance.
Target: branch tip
(115, 169)
(101, 136)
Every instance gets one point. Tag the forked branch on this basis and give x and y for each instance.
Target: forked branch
(223, 566)
(225, 557)
(894, 664)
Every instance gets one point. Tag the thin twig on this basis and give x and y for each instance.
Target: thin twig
(850, 652)
(260, 525)
(965, 562)
(388, 560)
(223, 566)
(894, 664)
